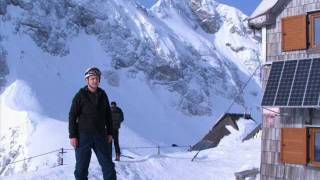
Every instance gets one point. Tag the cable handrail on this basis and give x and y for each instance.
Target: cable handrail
(233, 101)
(62, 150)
(154, 147)
(144, 147)
(32, 157)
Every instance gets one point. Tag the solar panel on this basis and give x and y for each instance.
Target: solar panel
(285, 83)
(293, 83)
(272, 84)
(313, 88)
(299, 83)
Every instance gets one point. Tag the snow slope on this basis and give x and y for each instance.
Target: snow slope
(166, 61)
(28, 133)
(218, 163)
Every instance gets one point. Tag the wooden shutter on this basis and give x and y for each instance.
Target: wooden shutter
(294, 33)
(294, 145)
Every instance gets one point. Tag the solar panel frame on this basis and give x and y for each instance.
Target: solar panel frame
(293, 83)
(273, 83)
(285, 84)
(299, 83)
(311, 97)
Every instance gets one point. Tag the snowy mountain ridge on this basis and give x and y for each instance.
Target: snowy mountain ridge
(169, 47)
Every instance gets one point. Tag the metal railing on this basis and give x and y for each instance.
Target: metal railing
(60, 153)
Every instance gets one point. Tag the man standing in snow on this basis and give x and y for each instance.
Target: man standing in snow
(90, 127)
(117, 119)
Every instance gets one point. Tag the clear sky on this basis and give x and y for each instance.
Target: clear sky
(246, 6)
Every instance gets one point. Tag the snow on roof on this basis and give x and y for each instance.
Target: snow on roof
(263, 7)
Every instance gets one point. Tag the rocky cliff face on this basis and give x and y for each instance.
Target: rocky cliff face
(140, 40)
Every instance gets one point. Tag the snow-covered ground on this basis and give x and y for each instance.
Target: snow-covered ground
(232, 155)
(36, 134)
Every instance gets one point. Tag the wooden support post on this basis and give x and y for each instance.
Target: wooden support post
(60, 157)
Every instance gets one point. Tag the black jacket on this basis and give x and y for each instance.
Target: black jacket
(90, 113)
(117, 117)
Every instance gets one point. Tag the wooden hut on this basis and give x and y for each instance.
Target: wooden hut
(219, 131)
(290, 31)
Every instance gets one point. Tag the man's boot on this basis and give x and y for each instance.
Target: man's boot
(117, 157)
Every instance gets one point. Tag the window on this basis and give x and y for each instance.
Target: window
(314, 146)
(294, 145)
(314, 30)
(295, 35)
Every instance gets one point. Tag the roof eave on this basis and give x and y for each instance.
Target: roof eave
(268, 17)
(261, 21)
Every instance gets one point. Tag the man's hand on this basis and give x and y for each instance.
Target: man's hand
(74, 142)
(109, 138)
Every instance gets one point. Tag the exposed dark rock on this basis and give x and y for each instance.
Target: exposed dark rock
(210, 22)
(3, 7)
(4, 70)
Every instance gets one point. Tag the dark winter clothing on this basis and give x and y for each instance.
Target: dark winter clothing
(117, 117)
(90, 113)
(103, 151)
(116, 141)
(90, 122)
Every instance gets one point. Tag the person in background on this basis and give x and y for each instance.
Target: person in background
(117, 119)
(90, 127)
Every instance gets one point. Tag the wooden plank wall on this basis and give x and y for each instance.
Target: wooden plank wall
(294, 8)
(271, 167)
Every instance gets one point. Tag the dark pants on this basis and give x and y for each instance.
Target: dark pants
(116, 141)
(103, 151)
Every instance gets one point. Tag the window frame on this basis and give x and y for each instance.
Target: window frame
(310, 33)
(311, 139)
(311, 38)
(309, 151)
